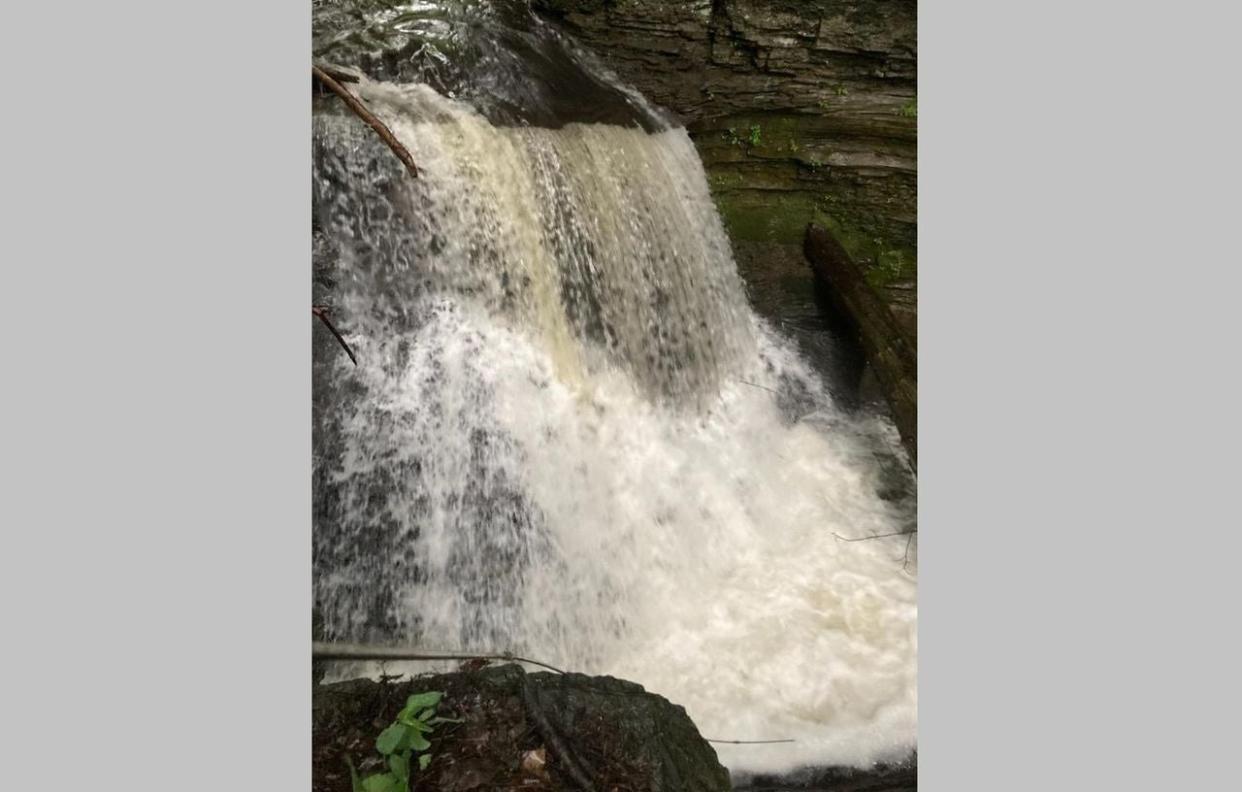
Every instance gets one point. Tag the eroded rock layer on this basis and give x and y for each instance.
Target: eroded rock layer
(802, 110)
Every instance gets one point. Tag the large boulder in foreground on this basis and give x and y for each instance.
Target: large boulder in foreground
(538, 731)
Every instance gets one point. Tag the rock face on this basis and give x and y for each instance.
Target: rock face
(539, 731)
(802, 110)
(890, 350)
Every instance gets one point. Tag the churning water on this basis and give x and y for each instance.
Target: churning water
(569, 436)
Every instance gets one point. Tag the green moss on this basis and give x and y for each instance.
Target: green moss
(769, 177)
(759, 216)
(724, 181)
(766, 133)
(781, 218)
(882, 263)
(891, 266)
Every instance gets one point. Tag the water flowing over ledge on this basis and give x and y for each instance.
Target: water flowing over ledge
(569, 435)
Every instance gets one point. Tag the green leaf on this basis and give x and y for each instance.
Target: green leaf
(420, 701)
(435, 721)
(423, 761)
(390, 738)
(419, 743)
(383, 782)
(426, 714)
(399, 764)
(403, 747)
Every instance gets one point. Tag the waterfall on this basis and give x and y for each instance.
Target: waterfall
(569, 436)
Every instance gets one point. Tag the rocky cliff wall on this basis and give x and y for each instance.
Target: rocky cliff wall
(802, 110)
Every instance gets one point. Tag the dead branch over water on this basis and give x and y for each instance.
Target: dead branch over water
(341, 651)
(322, 312)
(335, 651)
(360, 110)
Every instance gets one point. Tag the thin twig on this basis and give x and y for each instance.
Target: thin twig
(322, 312)
(334, 651)
(756, 385)
(366, 115)
(905, 559)
(749, 742)
(874, 536)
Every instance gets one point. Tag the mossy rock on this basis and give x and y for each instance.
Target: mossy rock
(781, 218)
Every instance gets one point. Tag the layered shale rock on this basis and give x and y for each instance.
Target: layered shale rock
(802, 110)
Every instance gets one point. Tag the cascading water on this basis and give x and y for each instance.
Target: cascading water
(570, 437)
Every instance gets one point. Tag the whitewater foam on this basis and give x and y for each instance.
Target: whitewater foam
(572, 438)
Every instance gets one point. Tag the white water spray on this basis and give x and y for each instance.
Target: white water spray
(570, 437)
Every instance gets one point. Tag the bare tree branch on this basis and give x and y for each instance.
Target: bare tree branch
(905, 563)
(873, 536)
(333, 651)
(340, 75)
(366, 115)
(322, 312)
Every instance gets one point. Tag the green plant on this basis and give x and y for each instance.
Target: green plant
(841, 90)
(401, 742)
(731, 137)
(909, 109)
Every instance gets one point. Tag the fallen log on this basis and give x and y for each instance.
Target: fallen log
(889, 349)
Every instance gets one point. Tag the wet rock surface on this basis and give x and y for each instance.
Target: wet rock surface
(803, 111)
(537, 731)
(546, 731)
(494, 54)
(891, 351)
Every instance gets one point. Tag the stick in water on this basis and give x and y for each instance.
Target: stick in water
(366, 115)
(330, 651)
(322, 312)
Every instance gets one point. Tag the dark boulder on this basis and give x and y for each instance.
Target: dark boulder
(539, 731)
